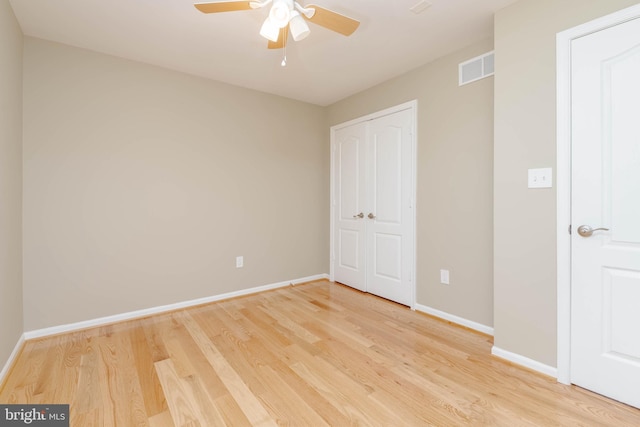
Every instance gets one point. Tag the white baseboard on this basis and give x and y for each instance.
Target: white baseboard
(525, 361)
(39, 333)
(455, 319)
(323, 276)
(12, 357)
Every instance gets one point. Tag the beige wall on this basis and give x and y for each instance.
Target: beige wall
(455, 182)
(525, 137)
(11, 324)
(142, 185)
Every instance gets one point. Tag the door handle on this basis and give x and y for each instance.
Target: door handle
(360, 215)
(371, 216)
(587, 231)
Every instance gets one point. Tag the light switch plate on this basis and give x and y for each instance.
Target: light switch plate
(540, 178)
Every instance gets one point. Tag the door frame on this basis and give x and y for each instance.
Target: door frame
(413, 107)
(563, 173)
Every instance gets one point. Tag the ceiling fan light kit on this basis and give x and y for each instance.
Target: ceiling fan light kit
(297, 25)
(286, 16)
(269, 30)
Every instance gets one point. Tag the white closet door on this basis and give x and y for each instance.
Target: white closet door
(373, 218)
(389, 220)
(349, 153)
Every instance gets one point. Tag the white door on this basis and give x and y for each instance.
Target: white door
(372, 205)
(605, 281)
(389, 220)
(349, 172)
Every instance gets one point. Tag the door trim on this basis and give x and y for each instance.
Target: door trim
(413, 106)
(563, 180)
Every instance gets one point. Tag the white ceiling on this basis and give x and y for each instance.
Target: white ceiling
(321, 69)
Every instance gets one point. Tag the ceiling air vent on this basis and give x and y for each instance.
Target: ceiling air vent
(420, 7)
(475, 69)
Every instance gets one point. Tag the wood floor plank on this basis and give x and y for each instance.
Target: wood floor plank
(107, 377)
(284, 403)
(331, 415)
(162, 419)
(180, 397)
(203, 370)
(231, 412)
(152, 394)
(179, 345)
(22, 376)
(152, 328)
(251, 406)
(89, 382)
(133, 407)
(92, 418)
(65, 371)
(293, 326)
(312, 354)
(345, 394)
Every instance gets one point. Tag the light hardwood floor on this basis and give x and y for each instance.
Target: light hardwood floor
(311, 355)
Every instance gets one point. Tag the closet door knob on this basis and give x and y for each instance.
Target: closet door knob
(360, 215)
(371, 216)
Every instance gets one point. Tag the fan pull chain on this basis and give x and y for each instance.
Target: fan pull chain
(284, 59)
(285, 39)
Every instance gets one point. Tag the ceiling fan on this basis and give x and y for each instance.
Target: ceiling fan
(286, 16)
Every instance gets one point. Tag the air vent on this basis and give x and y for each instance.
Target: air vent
(420, 7)
(476, 68)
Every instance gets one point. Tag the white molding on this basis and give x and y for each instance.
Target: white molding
(563, 206)
(332, 203)
(455, 319)
(563, 176)
(409, 105)
(387, 111)
(323, 276)
(414, 201)
(39, 333)
(524, 361)
(12, 357)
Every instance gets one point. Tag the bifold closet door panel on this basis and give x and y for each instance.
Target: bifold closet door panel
(349, 161)
(389, 228)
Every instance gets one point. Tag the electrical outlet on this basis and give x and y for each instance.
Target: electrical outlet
(239, 261)
(444, 277)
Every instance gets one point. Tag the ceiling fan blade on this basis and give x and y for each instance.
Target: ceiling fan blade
(333, 20)
(223, 6)
(282, 39)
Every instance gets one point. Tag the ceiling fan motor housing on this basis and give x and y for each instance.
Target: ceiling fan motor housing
(281, 12)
